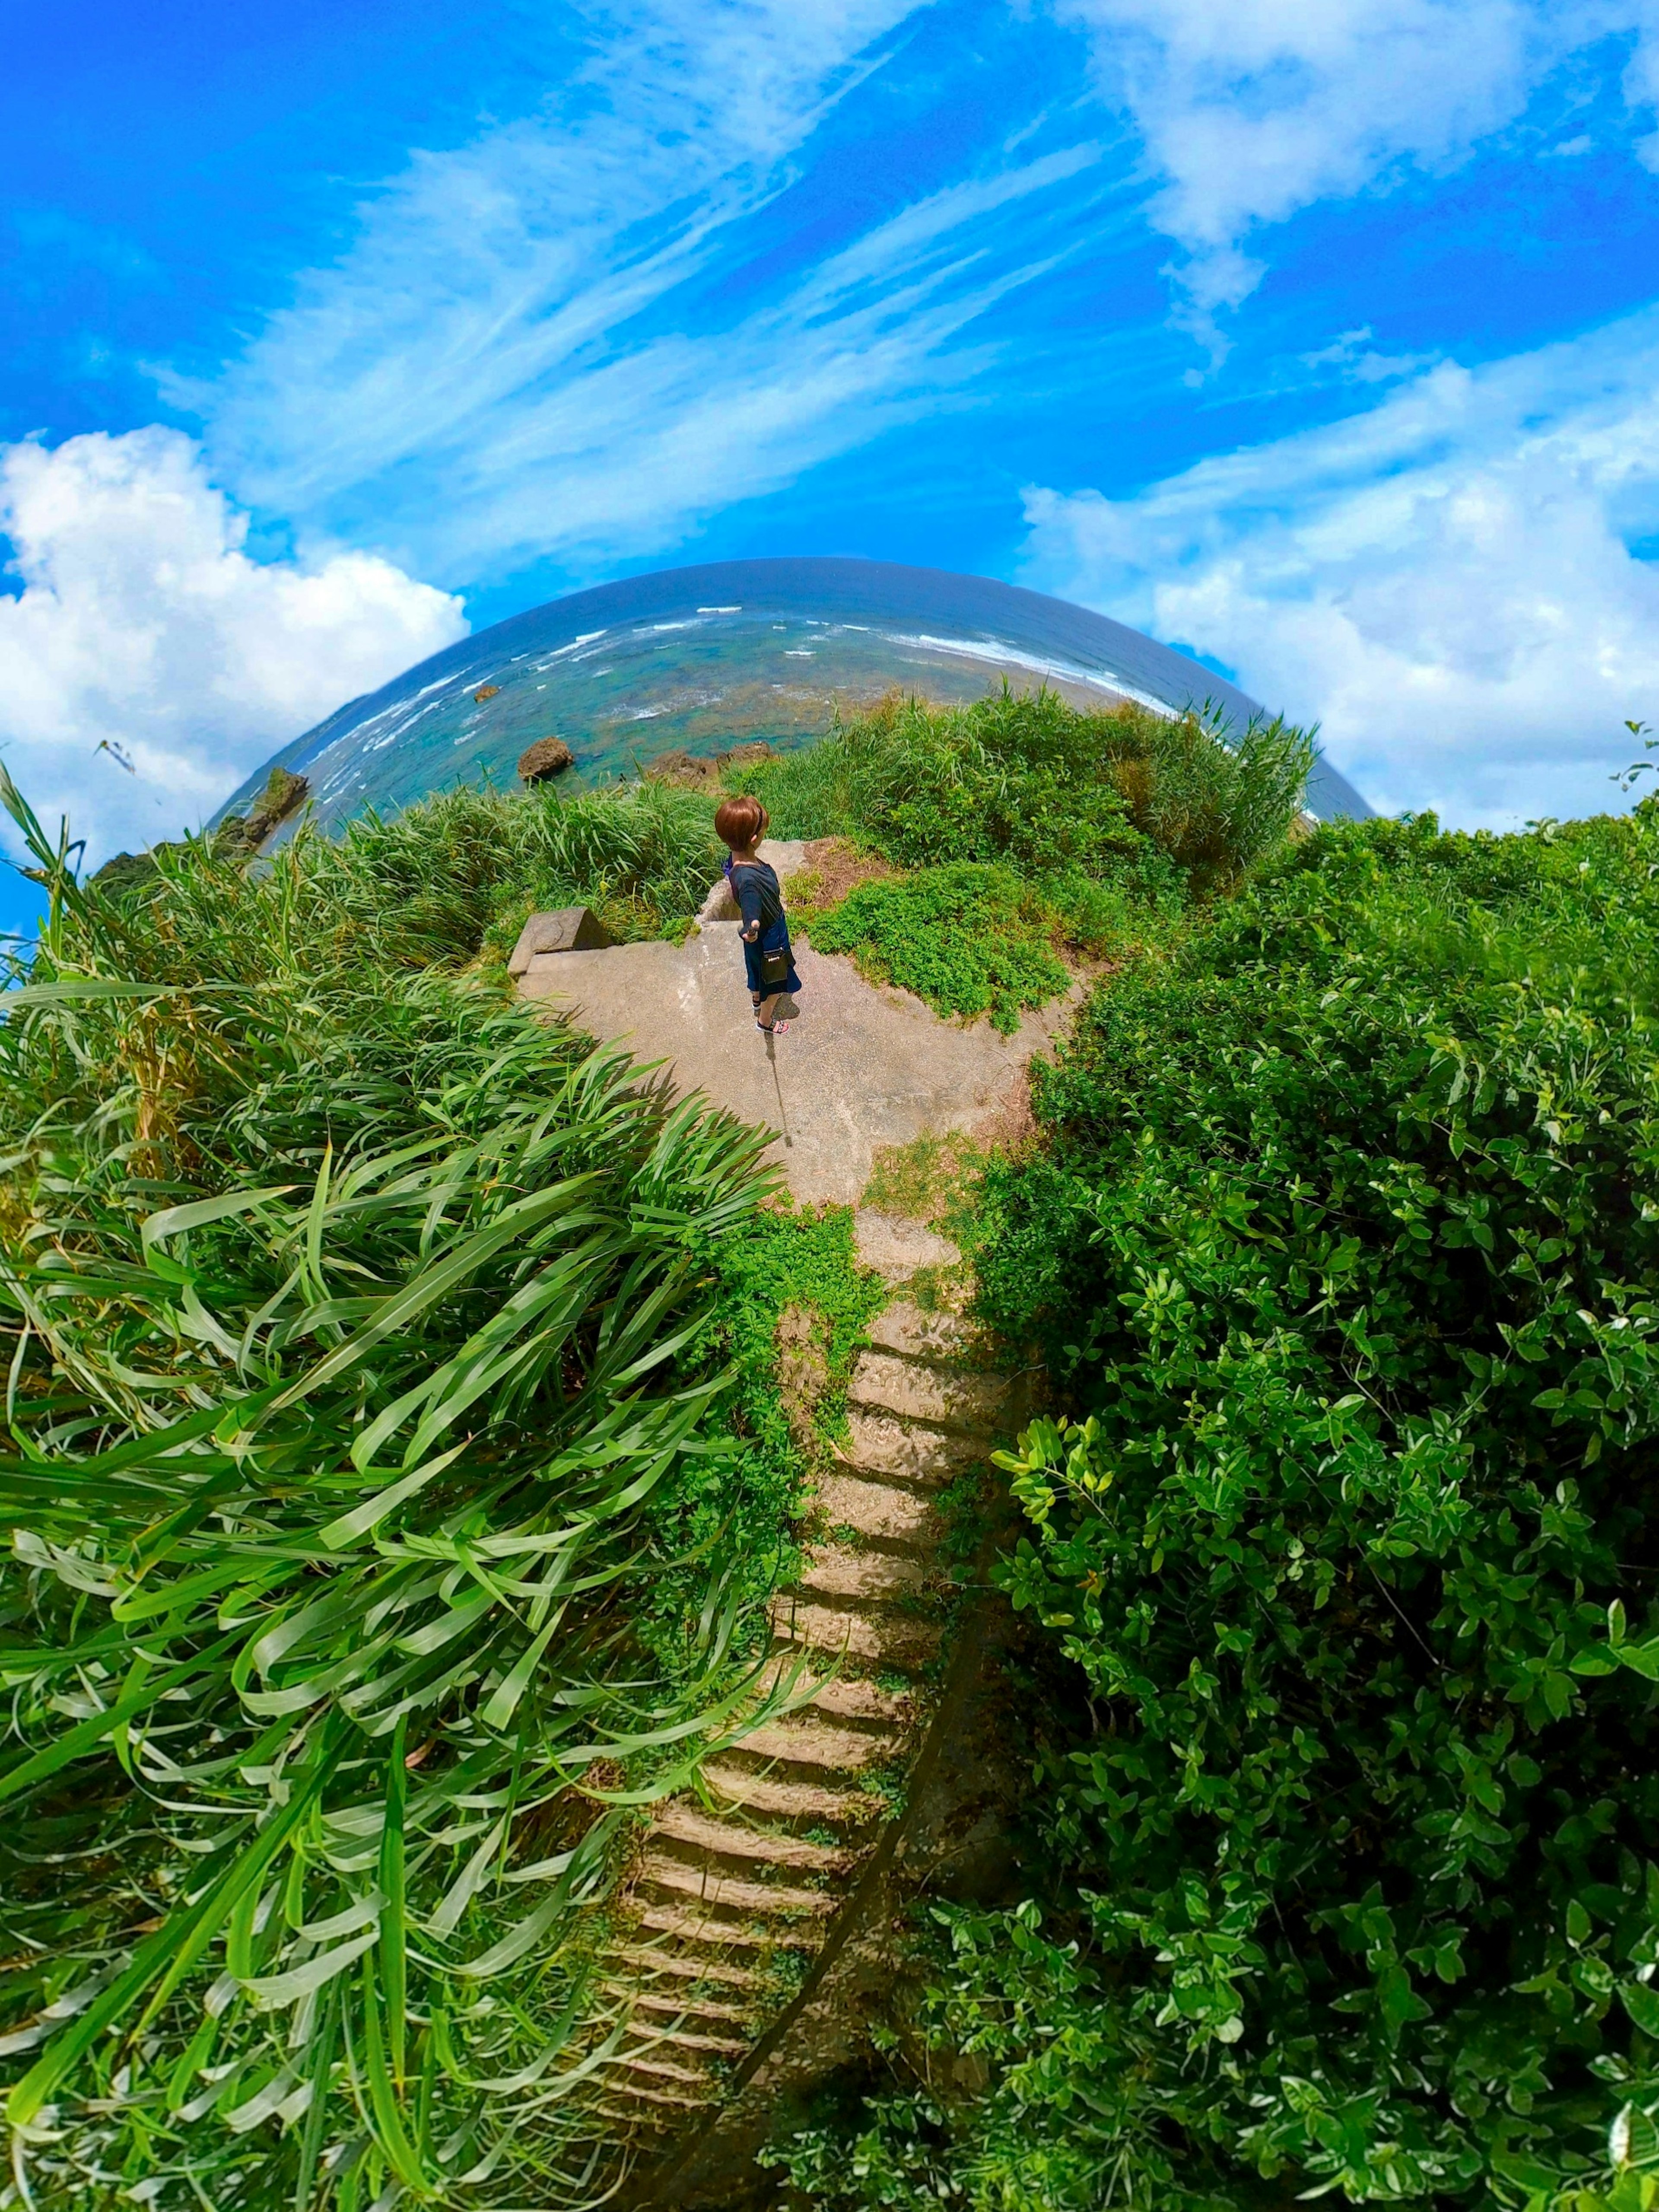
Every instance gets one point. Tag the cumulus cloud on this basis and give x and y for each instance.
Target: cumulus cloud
(1250, 110)
(1446, 582)
(142, 621)
(530, 348)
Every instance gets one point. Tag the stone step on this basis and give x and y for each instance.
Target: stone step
(885, 1511)
(883, 1639)
(979, 1405)
(684, 2039)
(729, 1839)
(817, 1744)
(644, 2107)
(674, 1921)
(944, 1338)
(783, 1799)
(677, 2005)
(657, 2069)
(855, 1697)
(726, 1893)
(719, 1971)
(873, 1575)
(723, 1884)
(878, 1442)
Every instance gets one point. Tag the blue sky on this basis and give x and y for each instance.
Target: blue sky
(1317, 335)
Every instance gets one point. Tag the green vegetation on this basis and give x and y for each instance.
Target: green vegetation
(408, 1423)
(381, 1529)
(788, 1261)
(1027, 827)
(453, 877)
(1129, 797)
(969, 938)
(1342, 1571)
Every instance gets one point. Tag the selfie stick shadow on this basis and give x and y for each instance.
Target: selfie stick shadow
(783, 1113)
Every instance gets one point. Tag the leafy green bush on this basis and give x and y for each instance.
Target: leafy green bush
(1343, 1566)
(1130, 795)
(362, 1350)
(969, 939)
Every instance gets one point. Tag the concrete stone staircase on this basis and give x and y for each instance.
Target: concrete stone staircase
(734, 1900)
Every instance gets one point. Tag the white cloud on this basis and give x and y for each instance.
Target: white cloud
(1253, 109)
(527, 350)
(1445, 583)
(142, 621)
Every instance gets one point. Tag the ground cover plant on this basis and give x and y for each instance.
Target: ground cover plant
(969, 937)
(1340, 1569)
(380, 1533)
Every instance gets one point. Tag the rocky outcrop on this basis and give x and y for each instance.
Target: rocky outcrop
(695, 771)
(239, 836)
(546, 758)
(285, 794)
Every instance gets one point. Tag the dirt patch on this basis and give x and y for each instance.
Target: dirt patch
(929, 1179)
(1013, 1128)
(834, 866)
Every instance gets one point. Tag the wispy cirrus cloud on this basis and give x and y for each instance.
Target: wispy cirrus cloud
(548, 343)
(623, 440)
(1451, 583)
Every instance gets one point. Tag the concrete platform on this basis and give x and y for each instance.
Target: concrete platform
(863, 1067)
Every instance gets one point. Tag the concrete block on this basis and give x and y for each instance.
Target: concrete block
(570, 929)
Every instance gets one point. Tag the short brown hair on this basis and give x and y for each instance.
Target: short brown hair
(740, 822)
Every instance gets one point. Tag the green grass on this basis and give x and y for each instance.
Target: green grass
(379, 1535)
(969, 938)
(446, 880)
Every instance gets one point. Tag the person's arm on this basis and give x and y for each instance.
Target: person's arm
(746, 885)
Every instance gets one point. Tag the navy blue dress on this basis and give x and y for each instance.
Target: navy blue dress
(755, 886)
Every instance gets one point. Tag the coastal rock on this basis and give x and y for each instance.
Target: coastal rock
(239, 836)
(696, 769)
(547, 757)
(745, 756)
(692, 769)
(283, 792)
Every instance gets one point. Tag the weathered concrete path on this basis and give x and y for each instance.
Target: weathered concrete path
(863, 1067)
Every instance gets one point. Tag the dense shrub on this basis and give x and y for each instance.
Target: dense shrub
(1034, 781)
(1342, 1564)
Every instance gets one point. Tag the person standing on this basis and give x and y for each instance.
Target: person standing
(740, 824)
